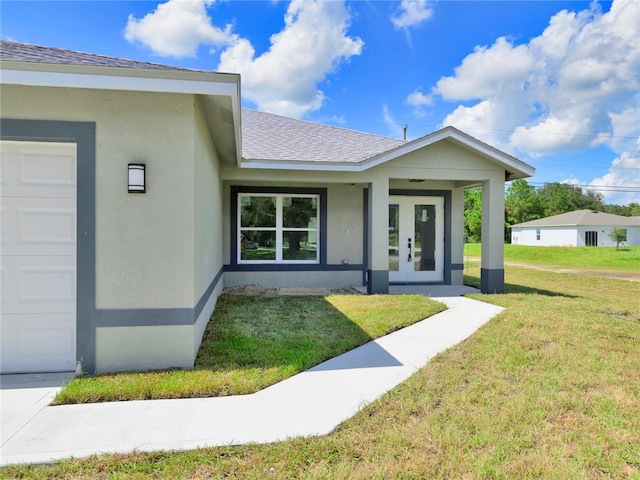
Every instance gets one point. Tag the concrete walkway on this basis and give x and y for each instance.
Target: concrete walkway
(311, 403)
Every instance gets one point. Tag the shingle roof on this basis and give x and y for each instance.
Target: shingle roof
(24, 52)
(583, 218)
(264, 136)
(267, 136)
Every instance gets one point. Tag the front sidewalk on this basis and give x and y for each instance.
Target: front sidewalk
(311, 403)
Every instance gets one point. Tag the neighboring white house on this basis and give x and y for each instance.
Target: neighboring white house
(582, 228)
(133, 193)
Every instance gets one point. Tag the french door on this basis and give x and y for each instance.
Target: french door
(416, 239)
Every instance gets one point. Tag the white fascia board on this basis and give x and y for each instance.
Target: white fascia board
(128, 79)
(302, 166)
(113, 78)
(237, 121)
(538, 227)
(507, 161)
(450, 133)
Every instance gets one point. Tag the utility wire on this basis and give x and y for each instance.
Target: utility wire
(603, 188)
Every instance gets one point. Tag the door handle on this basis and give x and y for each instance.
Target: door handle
(409, 246)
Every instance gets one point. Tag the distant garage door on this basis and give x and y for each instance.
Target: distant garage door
(38, 256)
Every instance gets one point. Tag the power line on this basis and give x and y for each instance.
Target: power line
(504, 130)
(590, 166)
(602, 188)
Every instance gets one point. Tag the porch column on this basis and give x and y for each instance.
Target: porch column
(492, 267)
(378, 254)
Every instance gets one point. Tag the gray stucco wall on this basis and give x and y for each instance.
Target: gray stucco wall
(157, 275)
(144, 243)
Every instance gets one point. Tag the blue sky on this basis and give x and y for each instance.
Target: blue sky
(555, 83)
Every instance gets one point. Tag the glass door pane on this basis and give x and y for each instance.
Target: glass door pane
(394, 225)
(424, 257)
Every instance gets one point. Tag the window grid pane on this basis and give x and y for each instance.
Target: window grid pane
(265, 244)
(257, 211)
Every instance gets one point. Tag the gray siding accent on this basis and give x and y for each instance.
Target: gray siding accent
(365, 234)
(207, 294)
(378, 281)
(457, 266)
(83, 134)
(492, 280)
(143, 317)
(147, 317)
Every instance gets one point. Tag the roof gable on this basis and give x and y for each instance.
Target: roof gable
(276, 142)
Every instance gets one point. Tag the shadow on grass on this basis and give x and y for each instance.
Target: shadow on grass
(473, 281)
(255, 341)
(283, 331)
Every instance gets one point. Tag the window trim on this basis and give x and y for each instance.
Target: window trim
(293, 265)
(279, 229)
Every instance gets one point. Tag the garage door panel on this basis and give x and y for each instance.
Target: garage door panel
(29, 227)
(38, 256)
(38, 343)
(29, 168)
(33, 284)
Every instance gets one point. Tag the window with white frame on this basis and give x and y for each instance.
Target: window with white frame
(278, 228)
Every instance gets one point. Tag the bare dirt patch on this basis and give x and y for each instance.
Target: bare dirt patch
(258, 290)
(631, 276)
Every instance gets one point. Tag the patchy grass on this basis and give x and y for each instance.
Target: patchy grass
(255, 341)
(547, 389)
(627, 258)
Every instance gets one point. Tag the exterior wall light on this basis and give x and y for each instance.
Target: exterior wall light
(137, 178)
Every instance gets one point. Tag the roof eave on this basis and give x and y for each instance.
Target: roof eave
(516, 168)
(128, 79)
(301, 165)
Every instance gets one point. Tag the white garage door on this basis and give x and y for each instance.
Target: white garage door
(38, 256)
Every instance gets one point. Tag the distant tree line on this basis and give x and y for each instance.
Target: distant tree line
(523, 202)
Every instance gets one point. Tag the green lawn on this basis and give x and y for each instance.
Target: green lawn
(627, 258)
(547, 389)
(255, 341)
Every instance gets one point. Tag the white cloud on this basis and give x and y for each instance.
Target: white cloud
(418, 99)
(623, 173)
(572, 180)
(176, 29)
(488, 71)
(285, 79)
(411, 13)
(572, 87)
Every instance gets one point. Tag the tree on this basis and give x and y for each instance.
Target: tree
(521, 203)
(618, 235)
(297, 215)
(556, 198)
(473, 214)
